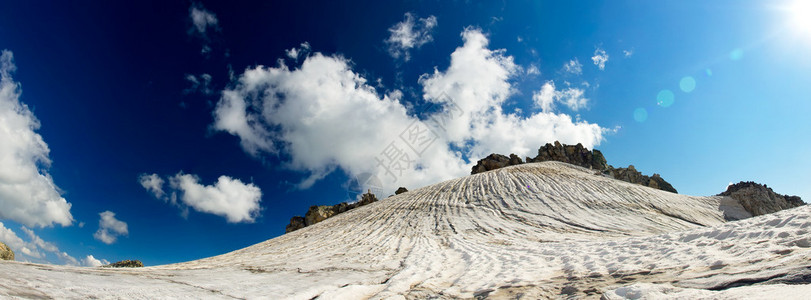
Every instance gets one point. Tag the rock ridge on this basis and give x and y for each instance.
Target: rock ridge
(575, 155)
(759, 199)
(319, 213)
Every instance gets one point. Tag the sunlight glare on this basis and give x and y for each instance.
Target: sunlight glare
(800, 12)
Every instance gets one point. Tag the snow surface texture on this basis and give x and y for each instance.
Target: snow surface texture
(536, 230)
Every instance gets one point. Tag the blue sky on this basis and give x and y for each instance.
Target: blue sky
(168, 132)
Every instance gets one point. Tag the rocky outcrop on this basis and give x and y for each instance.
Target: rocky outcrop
(126, 264)
(495, 161)
(318, 213)
(576, 155)
(296, 223)
(400, 191)
(759, 199)
(630, 174)
(579, 156)
(5, 252)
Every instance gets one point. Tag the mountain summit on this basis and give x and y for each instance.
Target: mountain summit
(539, 230)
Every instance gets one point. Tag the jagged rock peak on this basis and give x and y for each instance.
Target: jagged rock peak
(576, 155)
(759, 199)
(126, 264)
(5, 252)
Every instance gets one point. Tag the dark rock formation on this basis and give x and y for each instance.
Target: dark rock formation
(5, 252)
(759, 199)
(318, 213)
(400, 191)
(296, 223)
(630, 174)
(126, 264)
(495, 161)
(576, 155)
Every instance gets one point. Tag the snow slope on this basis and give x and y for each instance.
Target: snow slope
(535, 230)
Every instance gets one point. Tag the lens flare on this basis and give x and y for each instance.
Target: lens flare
(640, 115)
(736, 54)
(687, 84)
(665, 98)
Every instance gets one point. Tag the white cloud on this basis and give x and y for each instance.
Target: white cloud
(409, 34)
(28, 194)
(153, 184)
(533, 70)
(230, 198)
(203, 21)
(110, 228)
(294, 53)
(90, 261)
(628, 53)
(600, 58)
(201, 18)
(573, 67)
(546, 97)
(10, 238)
(27, 251)
(325, 117)
(201, 83)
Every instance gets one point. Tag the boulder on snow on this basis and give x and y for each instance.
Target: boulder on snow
(318, 213)
(5, 252)
(296, 223)
(495, 161)
(759, 199)
(630, 174)
(400, 190)
(126, 264)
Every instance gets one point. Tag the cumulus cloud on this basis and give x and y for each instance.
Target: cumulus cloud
(153, 184)
(110, 228)
(28, 194)
(202, 22)
(628, 53)
(32, 250)
(573, 67)
(408, 34)
(229, 198)
(600, 58)
(90, 261)
(324, 116)
(548, 95)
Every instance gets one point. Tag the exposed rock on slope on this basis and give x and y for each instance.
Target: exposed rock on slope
(5, 252)
(578, 156)
(495, 161)
(400, 190)
(318, 213)
(126, 264)
(758, 199)
(541, 230)
(630, 174)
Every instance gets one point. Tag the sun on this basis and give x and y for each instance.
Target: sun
(800, 15)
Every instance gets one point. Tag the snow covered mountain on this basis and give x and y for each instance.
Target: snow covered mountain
(538, 230)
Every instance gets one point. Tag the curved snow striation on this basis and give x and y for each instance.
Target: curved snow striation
(534, 230)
